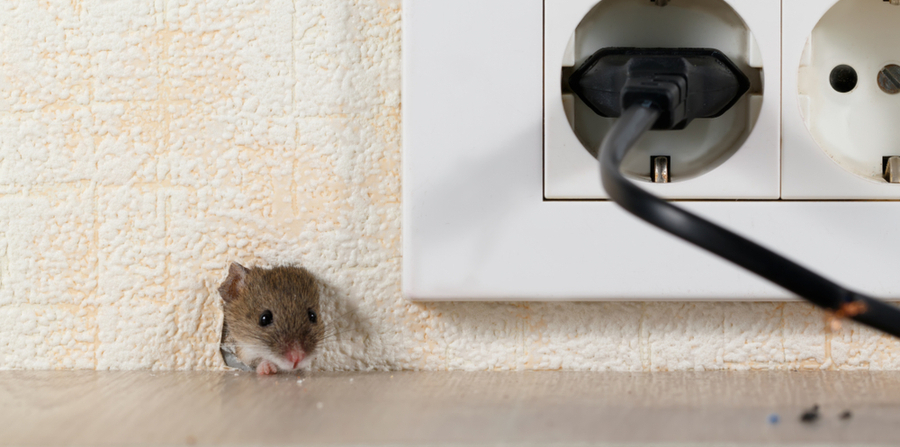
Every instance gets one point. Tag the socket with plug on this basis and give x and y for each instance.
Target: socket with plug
(729, 157)
(484, 118)
(842, 78)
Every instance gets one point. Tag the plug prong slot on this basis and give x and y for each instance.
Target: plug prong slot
(659, 168)
(891, 169)
(889, 79)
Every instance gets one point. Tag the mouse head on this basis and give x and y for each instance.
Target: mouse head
(273, 315)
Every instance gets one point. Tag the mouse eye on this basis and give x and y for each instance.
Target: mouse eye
(312, 316)
(266, 318)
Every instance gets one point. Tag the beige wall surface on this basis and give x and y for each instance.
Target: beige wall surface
(145, 144)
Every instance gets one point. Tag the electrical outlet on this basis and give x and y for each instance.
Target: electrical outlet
(837, 135)
(477, 225)
(735, 156)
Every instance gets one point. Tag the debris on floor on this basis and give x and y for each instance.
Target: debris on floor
(846, 415)
(811, 415)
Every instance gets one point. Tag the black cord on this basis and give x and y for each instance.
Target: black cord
(637, 120)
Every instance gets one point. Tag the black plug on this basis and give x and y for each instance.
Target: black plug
(682, 83)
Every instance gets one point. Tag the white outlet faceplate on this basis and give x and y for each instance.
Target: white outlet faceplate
(861, 124)
(477, 225)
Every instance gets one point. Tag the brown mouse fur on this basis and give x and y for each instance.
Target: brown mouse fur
(289, 337)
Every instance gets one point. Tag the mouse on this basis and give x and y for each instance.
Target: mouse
(272, 321)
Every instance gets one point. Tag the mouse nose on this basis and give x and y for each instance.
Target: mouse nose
(295, 356)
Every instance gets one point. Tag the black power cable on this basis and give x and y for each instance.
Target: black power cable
(665, 89)
(634, 123)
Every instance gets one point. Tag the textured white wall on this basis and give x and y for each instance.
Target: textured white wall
(145, 144)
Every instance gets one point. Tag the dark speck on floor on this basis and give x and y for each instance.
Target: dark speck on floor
(811, 415)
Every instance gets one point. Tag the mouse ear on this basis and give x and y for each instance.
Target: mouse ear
(234, 283)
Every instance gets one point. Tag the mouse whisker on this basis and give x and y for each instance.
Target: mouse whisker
(338, 317)
(330, 332)
(330, 335)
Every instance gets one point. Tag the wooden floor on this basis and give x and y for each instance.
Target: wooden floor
(142, 408)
